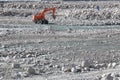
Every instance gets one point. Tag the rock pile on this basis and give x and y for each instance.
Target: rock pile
(110, 76)
(31, 70)
(15, 65)
(65, 5)
(73, 13)
(93, 14)
(86, 66)
(14, 13)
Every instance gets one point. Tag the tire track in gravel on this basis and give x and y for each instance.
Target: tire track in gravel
(36, 38)
(26, 35)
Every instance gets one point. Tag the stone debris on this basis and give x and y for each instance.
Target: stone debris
(69, 30)
(110, 76)
(115, 74)
(107, 77)
(100, 66)
(16, 75)
(56, 66)
(81, 13)
(114, 64)
(86, 66)
(109, 65)
(15, 65)
(31, 70)
(43, 50)
(24, 74)
(74, 70)
(85, 63)
(86, 69)
(1, 78)
(78, 68)
(66, 69)
(117, 78)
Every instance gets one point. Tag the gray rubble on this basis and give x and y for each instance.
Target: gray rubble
(82, 13)
(31, 51)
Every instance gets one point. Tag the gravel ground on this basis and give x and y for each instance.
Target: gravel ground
(57, 51)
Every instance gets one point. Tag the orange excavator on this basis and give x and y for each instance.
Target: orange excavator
(39, 18)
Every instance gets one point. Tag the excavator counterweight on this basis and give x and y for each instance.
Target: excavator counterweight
(40, 17)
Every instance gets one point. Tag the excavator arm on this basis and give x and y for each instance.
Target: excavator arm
(41, 15)
(49, 9)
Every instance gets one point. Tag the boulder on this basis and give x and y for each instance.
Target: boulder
(107, 77)
(66, 69)
(85, 63)
(31, 70)
(114, 64)
(109, 65)
(15, 65)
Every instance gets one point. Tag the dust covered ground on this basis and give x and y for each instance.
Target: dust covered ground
(82, 43)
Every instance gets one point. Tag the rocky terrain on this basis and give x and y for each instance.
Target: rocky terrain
(68, 13)
(63, 49)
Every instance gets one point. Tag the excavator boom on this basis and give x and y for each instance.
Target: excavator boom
(40, 17)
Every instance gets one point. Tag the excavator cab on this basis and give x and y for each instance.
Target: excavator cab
(39, 18)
